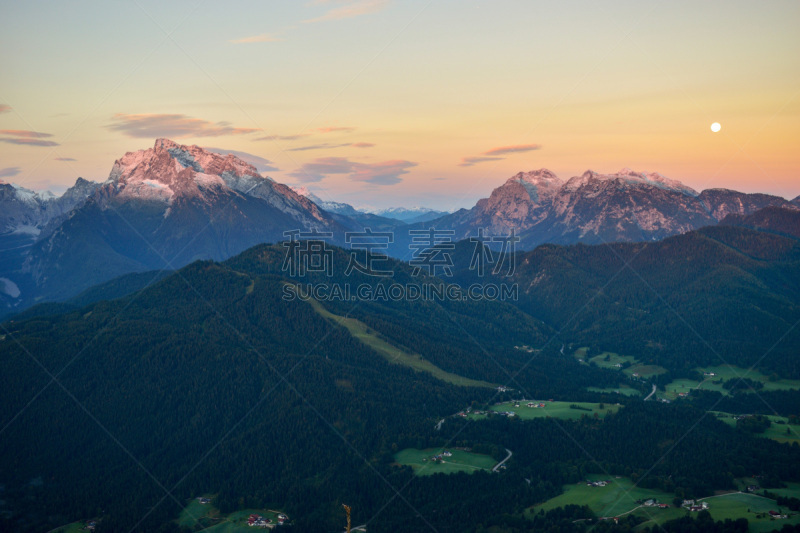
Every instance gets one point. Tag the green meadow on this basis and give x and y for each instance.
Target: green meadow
(557, 409)
(624, 390)
(750, 506)
(617, 498)
(723, 373)
(780, 430)
(460, 461)
(75, 527)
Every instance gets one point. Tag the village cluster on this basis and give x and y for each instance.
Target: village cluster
(694, 506)
(439, 458)
(531, 404)
(255, 520)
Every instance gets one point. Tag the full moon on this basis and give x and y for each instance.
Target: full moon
(715, 127)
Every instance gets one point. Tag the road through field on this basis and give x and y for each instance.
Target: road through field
(651, 393)
(498, 465)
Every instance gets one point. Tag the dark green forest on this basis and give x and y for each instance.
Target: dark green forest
(208, 381)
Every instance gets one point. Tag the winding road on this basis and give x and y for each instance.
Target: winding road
(651, 393)
(498, 465)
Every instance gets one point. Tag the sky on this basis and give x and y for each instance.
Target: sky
(406, 102)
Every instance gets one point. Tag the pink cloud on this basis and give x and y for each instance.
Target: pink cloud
(317, 147)
(469, 161)
(28, 142)
(352, 9)
(332, 129)
(362, 145)
(4, 108)
(9, 172)
(283, 137)
(25, 133)
(65, 159)
(172, 126)
(502, 150)
(384, 173)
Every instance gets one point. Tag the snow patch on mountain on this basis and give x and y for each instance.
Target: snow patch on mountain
(339, 208)
(25, 229)
(539, 184)
(9, 287)
(408, 214)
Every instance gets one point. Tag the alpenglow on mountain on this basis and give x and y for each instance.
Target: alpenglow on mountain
(164, 207)
(596, 208)
(160, 208)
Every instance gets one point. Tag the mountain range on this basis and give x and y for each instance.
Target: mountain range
(598, 208)
(166, 206)
(409, 215)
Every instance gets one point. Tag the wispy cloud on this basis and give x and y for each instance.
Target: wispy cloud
(65, 159)
(492, 155)
(469, 161)
(502, 150)
(9, 172)
(261, 164)
(173, 126)
(26, 138)
(283, 137)
(351, 9)
(26, 133)
(263, 38)
(362, 145)
(317, 147)
(333, 129)
(5, 108)
(384, 173)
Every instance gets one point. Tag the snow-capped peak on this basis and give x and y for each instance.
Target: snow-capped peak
(540, 183)
(631, 178)
(305, 191)
(169, 169)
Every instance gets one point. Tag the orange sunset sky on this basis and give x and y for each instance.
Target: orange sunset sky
(387, 102)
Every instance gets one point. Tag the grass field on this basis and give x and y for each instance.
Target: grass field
(393, 354)
(197, 514)
(610, 360)
(614, 359)
(749, 506)
(617, 498)
(727, 372)
(461, 461)
(75, 527)
(792, 490)
(678, 386)
(775, 432)
(625, 391)
(560, 410)
(645, 371)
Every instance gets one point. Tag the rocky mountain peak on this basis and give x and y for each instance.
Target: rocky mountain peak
(170, 170)
(539, 184)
